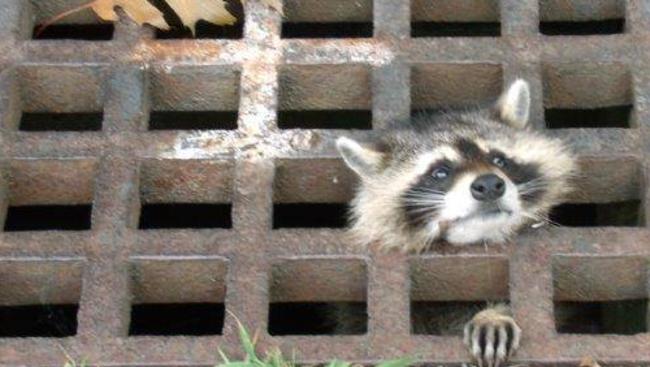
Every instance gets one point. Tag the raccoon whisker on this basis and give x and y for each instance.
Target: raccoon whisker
(540, 218)
(423, 209)
(427, 190)
(424, 194)
(423, 199)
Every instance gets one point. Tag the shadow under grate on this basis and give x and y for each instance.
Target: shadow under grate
(317, 318)
(325, 119)
(605, 117)
(442, 318)
(48, 217)
(327, 30)
(74, 121)
(193, 120)
(52, 321)
(455, 29)
(310, 215)
(614, 317)
(167, 319)
(204, 30)
(618, 214)
(86, 32)
(185, 215)
(584, 28)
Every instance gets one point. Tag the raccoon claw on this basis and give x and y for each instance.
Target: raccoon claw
(492, 337)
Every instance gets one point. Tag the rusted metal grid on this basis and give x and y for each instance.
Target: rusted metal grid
(258, 164)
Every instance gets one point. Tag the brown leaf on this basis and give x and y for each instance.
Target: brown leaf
(191, 11)
(588, 362)
(140, 11)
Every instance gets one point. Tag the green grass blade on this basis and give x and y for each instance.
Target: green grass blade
(402, 362)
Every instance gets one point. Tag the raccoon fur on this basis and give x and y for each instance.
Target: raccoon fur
(461, 177)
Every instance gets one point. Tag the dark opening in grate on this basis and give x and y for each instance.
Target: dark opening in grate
(442, 318)
(193, 120)
(52, 321)
(455, 29)
(617, 214)
(204, 30)
(309, 215)
(48, 217)
(87, 32)
(185, 215)
(318, 318)
(327, 30)
(177, 319)
(74, 121)
(325, 119)
(612, 117)
(582, 28)
(613, 317)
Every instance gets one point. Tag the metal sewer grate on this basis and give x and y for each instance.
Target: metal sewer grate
(280, 81)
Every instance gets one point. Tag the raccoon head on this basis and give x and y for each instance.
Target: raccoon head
(470, 176)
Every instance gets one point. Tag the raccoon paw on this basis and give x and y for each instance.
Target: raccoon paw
(492, 336)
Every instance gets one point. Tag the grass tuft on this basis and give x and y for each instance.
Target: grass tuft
(275, 358)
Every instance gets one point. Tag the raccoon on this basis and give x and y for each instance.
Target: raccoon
(472, 176)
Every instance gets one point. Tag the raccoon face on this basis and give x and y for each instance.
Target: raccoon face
(463, 177)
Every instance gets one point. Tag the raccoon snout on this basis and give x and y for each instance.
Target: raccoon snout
(488, 187)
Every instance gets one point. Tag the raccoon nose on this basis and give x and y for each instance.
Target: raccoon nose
(488, 187)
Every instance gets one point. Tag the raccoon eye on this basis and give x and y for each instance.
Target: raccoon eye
(499, 161)
(440, 173)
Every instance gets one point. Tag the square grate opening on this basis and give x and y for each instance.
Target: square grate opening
(325, 119)
(618, 214)
(612, 200)
(185, 215)
(39, 298)
(310, 215)
(204, 30)
(194, 98)
(604, 117)
(611, 317)
(449, 18)
(42, 105)
(329, 295)
(167, 319)
(327, 19)
(435, 86)
(75, 121)
(581, 17)
(185, 194)
(85, 32)
(600, 295)
(193, 120)
(311, 193)
(588, 96)
(325, 97)
(178, 296)
(48, 218)
(51, 321)
(39, 196)
(447, 291)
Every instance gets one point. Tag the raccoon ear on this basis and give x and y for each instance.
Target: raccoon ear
(513, 107)
(362, 160)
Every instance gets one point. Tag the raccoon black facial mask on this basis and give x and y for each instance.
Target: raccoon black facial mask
(467, 176)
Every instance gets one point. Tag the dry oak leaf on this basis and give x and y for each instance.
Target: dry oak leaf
(191, 11)
(141, 11)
